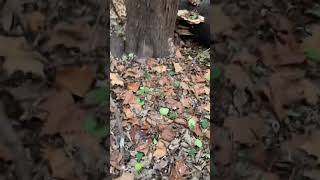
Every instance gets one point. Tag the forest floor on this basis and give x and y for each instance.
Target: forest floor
(267, 111)
(160, 123)
(53, 87)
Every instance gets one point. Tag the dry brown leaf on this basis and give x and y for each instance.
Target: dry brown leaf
(185, 102)
(133, 86)
(238, 77)
(178, 54)
(312, 146)
(61, 166)
(19, 56)
(178, 170)
(129, 98)
(201, 89)
(160, 69)
(144, 147)
(243, 128)
(133, 72)
(160, 150)
(223, 22)
(128, 113)
(168, 134)
(151, 62)
(116, 79)
(76, 79)
(115, 159)
(126, 176)
(35, 21)
(69, 35)
(63, 114)
(177, 67)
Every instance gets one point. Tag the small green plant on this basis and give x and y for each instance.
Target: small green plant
(192, 123)
(128, 57)
(144, 90)
(172, 73)
(172, 115)
(140, 101)
(217, 72)
(95, 127)
(139, 156)
(138, 167)
(147, 75)
(204, 123)
(192, 152)
(312, 55)
(176, 84)
(96, 96)
(198, 143)
(164, 111)
(155, 141)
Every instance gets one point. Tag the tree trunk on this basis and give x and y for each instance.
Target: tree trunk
(150, 23)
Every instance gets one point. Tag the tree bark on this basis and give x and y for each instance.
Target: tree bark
(150, 23)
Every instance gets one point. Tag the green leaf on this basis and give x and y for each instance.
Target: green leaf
(172, 115)
(217, 71)
(172, 73)
(313, 55)
(191, 123)
(198, 143)
(147, 75)
(204, 124)
(155, 141)
(93, 126)
(97, 96)
(192, 152)
(164, 111)
(138, 167)
(176, 84)
(140, 101)
(139, 156)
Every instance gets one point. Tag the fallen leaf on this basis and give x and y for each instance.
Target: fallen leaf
(178, 54)
(76, 79)
(160, 69)
(178, 170)
(312, 145)
(168, 134)
(143, 147)
(61, 166)
(245, 129)
(115, 159)
(177, 67)
(126, 176)
(20, 56)
(35, 21)
(133, 86)
(116, 80)
(160, 150)
(63, 115)
(128, 113)
(133, 72)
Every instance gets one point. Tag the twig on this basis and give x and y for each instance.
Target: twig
(118, 123)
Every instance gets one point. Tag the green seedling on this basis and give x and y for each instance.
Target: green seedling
(138, 167)
(139, 156)
(198, 143)
(191, 123)
(204, 123)
(164, 111)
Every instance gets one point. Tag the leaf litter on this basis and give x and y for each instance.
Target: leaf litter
(155, 101)
(50, 84)
(266, 98)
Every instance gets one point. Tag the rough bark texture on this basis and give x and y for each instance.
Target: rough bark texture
(150, 23)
